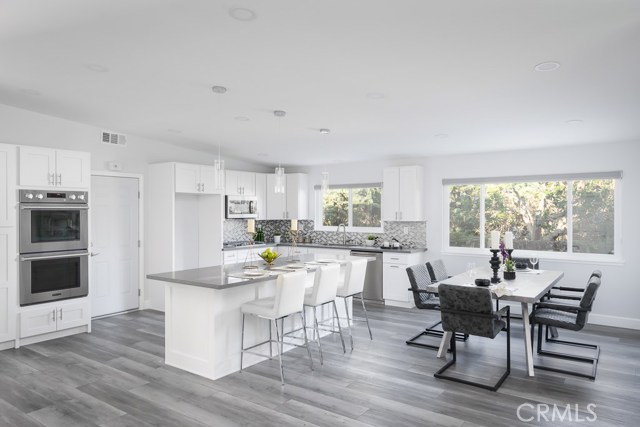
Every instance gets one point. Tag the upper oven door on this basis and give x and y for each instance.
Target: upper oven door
(52, 227)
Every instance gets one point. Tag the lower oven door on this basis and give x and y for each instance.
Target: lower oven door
(52, 276)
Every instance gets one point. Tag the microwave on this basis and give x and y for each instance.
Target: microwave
(241, 207)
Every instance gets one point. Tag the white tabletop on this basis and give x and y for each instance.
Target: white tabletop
(528, 286)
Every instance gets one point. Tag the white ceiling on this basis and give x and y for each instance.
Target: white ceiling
(464, 68)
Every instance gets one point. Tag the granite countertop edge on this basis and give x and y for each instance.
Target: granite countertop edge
(316, 245)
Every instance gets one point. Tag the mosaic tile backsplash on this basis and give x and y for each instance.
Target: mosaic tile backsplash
(235, 230)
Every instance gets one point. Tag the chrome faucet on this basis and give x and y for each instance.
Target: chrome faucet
(344, 233)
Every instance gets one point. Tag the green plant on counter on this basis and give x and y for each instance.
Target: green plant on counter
(372, 237)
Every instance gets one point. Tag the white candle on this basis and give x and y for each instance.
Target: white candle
(495, 239)
(508, 240)
(251, 226)
(294, 225)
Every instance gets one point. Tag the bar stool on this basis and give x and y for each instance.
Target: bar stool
(325, 286)
(353, 285)
(288, 301)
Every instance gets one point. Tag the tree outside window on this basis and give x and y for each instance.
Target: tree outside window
(355, 207)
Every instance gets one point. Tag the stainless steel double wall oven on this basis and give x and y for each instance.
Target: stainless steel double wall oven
(53, 244)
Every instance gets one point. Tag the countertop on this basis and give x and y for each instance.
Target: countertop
(360, 248)
(231, 276)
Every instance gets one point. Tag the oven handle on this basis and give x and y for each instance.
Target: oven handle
(34, 258)
(54, 207)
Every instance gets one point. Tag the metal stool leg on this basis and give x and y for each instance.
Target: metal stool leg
(366, 316)
(275, 323)
(242, 342)
(270, 343)
(335, 312)
(316, 330)
(306, 343)
(346, 309)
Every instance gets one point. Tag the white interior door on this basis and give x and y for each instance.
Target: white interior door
(114, 244)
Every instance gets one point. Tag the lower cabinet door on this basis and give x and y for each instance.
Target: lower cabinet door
(72, 314)
(36, 321)
(396, 282)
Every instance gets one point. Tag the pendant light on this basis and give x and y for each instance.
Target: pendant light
(218, 165)
(280, 179)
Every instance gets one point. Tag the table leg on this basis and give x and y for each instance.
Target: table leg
(444, 344)
(528, 344)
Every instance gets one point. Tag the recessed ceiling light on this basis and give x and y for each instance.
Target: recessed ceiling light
(31, 92)
(375, 95)
(174, 130)
(325, 131)
(441, 136)
(241, 118)
(219, 89)
(547, 66)
(97, 68)
(574, 122)
(242, 14)
(279, 113)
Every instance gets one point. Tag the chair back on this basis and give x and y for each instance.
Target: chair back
(586, 302)
(420, 279)
(596, 273)
(290, 289)
(524, 261)
(354, 276)
(437, 270)
(325, 284)
(468, 310)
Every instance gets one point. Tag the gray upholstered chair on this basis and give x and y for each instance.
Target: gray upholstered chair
(469, 310)
(567, 316)
(420, 279)
(437, 270)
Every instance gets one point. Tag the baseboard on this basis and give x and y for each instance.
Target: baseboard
(394, 303)
(615, 321)
(7, 345)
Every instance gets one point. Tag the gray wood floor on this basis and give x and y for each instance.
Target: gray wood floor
(115, 377)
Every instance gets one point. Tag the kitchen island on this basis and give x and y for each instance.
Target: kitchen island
(203, 321)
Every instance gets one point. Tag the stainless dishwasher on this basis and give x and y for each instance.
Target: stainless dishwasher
(373, 278)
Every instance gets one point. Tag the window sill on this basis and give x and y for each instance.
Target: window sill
(544, 256)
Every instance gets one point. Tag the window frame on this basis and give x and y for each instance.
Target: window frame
(569, 255)
(350, 228)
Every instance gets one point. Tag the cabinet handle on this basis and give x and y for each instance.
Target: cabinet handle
(396, 216)
(393, 266)
(397, 259)
(198, 187)
(400, 216)
(50, 179)
(60, 313)
(53, 317)
(203, 187)
(59, 179)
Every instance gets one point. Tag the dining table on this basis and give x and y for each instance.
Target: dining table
(527, 288)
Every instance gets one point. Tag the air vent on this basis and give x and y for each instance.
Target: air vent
(114, 138)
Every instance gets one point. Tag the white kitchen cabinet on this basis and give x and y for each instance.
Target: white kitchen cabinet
(261, 195)
(297, 196)
(240, 183)
(276, 202)
(7, 185)
(46, 167)
(329, 252)
(395, 279)
(53, 317)
(8, 283)
(195, 179)
(402, 194)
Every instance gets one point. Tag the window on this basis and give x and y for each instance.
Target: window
(356, 206)
(561, 215)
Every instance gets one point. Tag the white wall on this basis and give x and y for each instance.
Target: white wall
(617, 301)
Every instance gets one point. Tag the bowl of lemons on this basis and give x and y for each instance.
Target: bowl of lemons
(269, 256)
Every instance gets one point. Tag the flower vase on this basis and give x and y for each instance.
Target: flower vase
(509, 275)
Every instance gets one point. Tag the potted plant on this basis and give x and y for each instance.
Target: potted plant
(276, 237)
(371, 240)
(509, 269)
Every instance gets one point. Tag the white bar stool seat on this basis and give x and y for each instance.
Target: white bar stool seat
(289, 298)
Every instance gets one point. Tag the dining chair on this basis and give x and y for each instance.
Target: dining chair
(420, 279)
(437, 270)
(469, 310)
(288, 301)
(567, 316)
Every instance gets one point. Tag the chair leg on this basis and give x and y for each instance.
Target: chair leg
(278, 338)
(242, 342)
(316, 330)
(306, 340)
(428, 332)
(270, 342)
(346, 309)
(366, 316)
(335, 312)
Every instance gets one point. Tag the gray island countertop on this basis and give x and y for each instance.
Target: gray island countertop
(231, 276)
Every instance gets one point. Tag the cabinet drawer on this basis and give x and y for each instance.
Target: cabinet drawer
(396, 258)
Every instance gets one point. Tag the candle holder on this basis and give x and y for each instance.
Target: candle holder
(248, 259)
(293, 236)
(495, 265)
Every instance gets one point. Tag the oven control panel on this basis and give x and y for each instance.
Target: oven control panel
(60, 197)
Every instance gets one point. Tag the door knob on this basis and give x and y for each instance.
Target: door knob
(94, 254)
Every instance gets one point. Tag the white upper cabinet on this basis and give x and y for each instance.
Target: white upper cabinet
(261, 195)
(276, 202)
(46, 167)
(297, 199)
(191, 178)
(402, 194)
(7, 185)
(240, 183)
